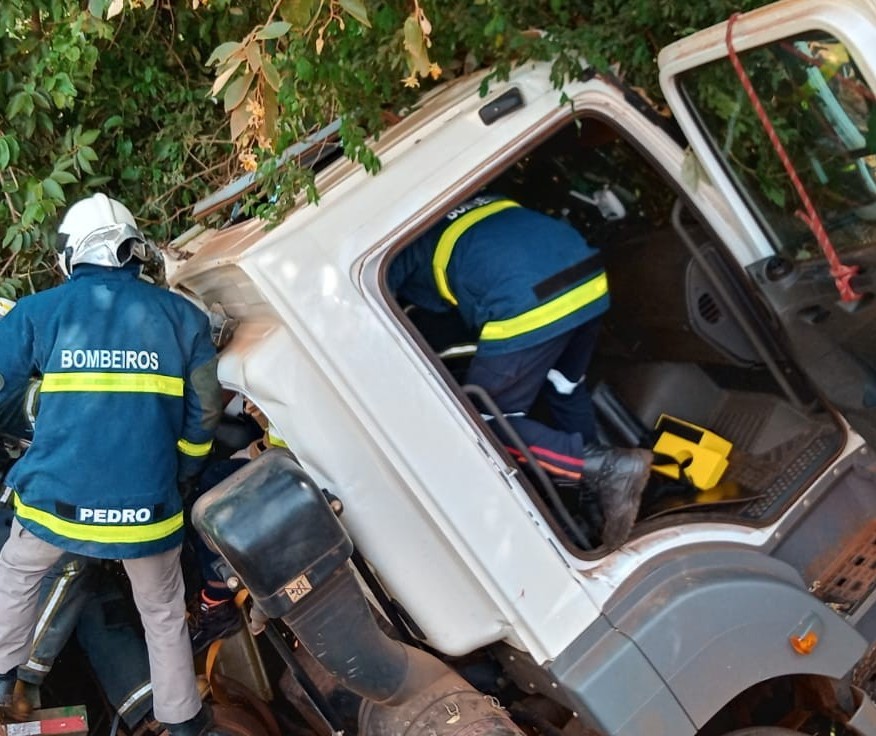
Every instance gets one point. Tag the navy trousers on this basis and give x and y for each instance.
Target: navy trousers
(559, 366)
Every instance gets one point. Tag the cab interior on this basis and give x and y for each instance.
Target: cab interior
(683, 338)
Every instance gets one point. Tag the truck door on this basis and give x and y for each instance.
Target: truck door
(812, 67)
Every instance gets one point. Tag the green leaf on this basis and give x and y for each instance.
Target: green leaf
(45, 122)
(297, 12)
(20, 102)
(14, 148)
(272, 76)
(163, 148)
(97, 7)
(11, 232)
(357, 9)
(273, 30)
(41, 99)
(5, 153)
(83, 163)
(92, 182)
(34, 212)
(53, 189)
(34, 189)
(15, 245)
(88, 153)
(63, 163)
(59, 98)
(236, 91)
(63, 177)
(303, 69)
(111, 122)
(88, 137)
(222, 52)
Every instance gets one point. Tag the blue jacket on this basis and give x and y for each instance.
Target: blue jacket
(15, 412)
(517, 276)
(128, 405)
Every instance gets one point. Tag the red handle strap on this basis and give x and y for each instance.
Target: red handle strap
(842, 274)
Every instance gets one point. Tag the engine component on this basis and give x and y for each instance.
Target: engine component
(279, 535)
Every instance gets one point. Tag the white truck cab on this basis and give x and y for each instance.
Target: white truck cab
(730, 607)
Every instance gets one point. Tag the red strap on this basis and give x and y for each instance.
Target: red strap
(842, 274)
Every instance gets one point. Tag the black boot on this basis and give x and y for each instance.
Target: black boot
(212, 622)
(617, 477)
(200, 725)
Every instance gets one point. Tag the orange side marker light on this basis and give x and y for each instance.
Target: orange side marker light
(803, 644)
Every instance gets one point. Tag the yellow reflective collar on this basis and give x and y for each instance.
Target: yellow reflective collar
(148, 383)
(276, 441)
(448, 239)
(549, 312)
(102, 533)
(194, 449)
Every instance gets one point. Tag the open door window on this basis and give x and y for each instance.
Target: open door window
(811, 66)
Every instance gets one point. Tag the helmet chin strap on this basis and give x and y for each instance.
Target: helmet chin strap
(66, 265)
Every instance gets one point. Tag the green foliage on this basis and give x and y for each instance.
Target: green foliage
(131, 105)
(121, 106)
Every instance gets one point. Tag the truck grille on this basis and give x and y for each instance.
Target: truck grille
(847, 582)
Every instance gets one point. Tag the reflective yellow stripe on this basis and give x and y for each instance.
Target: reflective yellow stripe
(548, 312)
(147, 383)
(447, 241)
(193, 448)
(276, 441)
(104, 533)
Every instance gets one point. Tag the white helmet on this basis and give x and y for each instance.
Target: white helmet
(100, 231)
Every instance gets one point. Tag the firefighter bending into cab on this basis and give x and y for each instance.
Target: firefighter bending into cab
(534, 291)
(113, 352)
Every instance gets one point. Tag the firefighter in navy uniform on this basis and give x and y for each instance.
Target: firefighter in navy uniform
(534, 291)
(128, 407)
(76, 595)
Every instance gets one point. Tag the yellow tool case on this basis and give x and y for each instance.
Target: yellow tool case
(701, 455)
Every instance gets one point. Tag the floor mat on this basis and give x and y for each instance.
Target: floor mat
(797, 468)
(755, 484)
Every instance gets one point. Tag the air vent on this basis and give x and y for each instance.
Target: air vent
(709, 309)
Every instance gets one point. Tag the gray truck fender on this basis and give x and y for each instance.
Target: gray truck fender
(706, 625)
